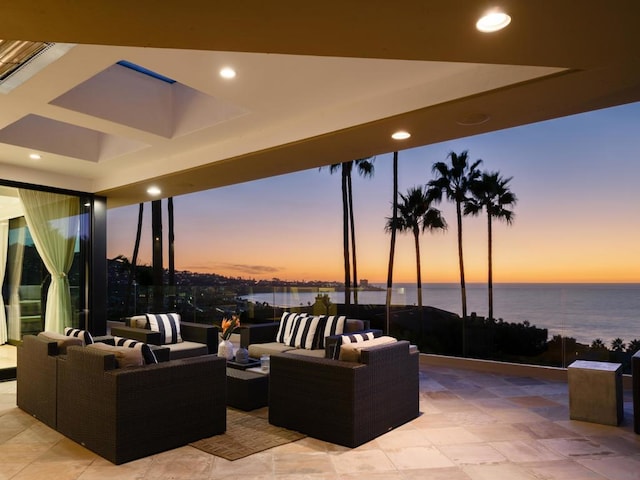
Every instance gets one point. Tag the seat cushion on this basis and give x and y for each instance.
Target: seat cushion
(125, 356)
(306, 353)
(350, 352)
(256, 350)
(187, 349)
(63, 341)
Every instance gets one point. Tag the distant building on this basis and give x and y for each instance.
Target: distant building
(364, 283)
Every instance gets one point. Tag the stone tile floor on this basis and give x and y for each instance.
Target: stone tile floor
(473, 426)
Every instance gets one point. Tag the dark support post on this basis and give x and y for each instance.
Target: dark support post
(97, 259)
(156, 229)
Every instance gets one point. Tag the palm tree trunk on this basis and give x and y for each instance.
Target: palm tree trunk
(392, 248)
(171, 255)
(134, 261)
(463, 291)
(158, 268)
(353, 240)
(490, 268)
(345, 242)
(416, 236)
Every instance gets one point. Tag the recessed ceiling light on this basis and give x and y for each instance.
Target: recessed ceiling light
(34, 156)
(154, 191)
(401, 135)
(227, 72)
(493, 21)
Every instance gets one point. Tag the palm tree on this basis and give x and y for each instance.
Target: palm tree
(364, 167)
(417, 215)
(454, 183)
(491, 193)
(598, 344)
(134, 261)
(392, 247)
(617, 345)
(634, 346)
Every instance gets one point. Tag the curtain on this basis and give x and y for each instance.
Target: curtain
(4, 245)
(53, 222)
(15, 277)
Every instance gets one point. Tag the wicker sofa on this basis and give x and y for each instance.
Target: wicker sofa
(122, 413)
(345, 402)
(198, 339)
(260, 339)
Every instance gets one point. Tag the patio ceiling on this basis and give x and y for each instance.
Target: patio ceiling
(317, 83)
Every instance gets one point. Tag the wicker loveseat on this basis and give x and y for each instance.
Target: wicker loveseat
(345, 402)
(196, 338)
(267, 338)
(122, 413)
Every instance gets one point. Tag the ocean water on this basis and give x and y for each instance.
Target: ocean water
(582, 311)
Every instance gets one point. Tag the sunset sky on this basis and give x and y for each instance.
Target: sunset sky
(577, 216)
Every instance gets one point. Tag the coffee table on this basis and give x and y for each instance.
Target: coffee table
(246, 389)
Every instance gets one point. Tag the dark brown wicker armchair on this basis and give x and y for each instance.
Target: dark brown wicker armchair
(127, 413)
(345, 402)
(36, 378)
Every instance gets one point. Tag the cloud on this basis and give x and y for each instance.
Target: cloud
(225, 268)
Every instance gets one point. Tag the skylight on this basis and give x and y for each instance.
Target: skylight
(145, 71)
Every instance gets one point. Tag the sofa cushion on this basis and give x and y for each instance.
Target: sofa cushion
(350, 352)
(63, 341)
(187, 349)
(147, 354)
(353, 338)
(306, 353)
(303, 332)
(83, 335)
(139, 321)
(256, 350)
(353, 325)
(286, 324)
(329, 326)
(125, 356)
(168, 324)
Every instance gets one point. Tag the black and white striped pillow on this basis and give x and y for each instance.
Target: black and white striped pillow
(145, 350)
(329, 326)
(303, 332)
(168, 324)
(354, 338)
(83, 335)
(286, 324)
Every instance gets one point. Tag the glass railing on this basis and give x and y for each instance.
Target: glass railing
(552, 329)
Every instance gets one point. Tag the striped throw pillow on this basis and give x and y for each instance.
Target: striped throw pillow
(303, 332)
(147, 354)
(83, 335)
(286, 323)
(168, 324)
(354, 338)
(329, 326)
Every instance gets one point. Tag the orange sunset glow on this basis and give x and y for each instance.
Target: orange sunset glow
(576, 217)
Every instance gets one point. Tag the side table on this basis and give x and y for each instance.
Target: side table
(595, 392)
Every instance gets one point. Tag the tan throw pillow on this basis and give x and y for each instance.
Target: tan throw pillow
(63, 341)
(138, 321)
(350, 352)
(125, 356)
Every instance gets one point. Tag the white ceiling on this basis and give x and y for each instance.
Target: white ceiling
(315, 85)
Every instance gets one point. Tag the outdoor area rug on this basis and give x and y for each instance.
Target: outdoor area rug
(247, 433)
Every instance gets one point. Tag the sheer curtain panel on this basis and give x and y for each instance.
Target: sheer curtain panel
(4, 245)
(53, 221)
